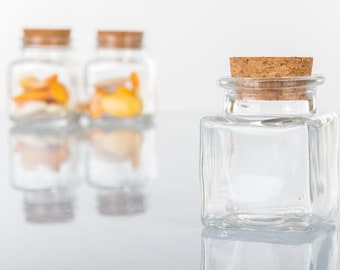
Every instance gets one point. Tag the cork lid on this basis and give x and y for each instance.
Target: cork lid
(264, 67)
(272, 78)
(119, 39)
(48, 37)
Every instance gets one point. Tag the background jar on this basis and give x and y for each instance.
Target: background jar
(42, 84)
(120, 81)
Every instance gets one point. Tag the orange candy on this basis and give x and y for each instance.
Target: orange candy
(48, 90)
(122, 102)
(32, 84)
(121, 105)
(95, 108)
(52, 79)
(135, 81)
(59, 92)
(28, 96)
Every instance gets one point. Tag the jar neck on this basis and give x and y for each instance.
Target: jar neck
(235, 103)
(46, 52)
(125, 54)
(270, 97)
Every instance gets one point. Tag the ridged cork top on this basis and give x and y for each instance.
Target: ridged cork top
(264, 67)
(273, 77)
(49, 37)
(119, 39)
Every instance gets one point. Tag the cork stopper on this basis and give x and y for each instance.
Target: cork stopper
(119, 39)
(47, 37)
(266, 72)
(269, 67)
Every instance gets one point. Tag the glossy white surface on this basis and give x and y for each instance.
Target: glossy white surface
(165, 235)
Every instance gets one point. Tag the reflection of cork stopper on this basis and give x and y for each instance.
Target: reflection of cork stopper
(261, 67)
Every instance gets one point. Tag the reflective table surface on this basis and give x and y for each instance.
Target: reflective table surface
(127, 198)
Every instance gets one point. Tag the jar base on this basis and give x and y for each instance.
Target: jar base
(246, 221)
(144, 121)
(47, 122)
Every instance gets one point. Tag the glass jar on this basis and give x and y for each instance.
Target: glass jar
(42, 82)
(240, 250)
(120, 81)
(270, 160)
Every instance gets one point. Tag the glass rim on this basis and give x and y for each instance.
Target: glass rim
(272, 83)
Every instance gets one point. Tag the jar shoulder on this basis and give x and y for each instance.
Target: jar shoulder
(22, 62)
(320, 118)
(124, 60)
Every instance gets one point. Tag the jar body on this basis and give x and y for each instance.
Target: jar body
(120, 84)
(276, 172)
(43, 87)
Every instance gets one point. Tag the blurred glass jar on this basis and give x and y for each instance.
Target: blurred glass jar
(46, 167)
(234, 250)
(120, 81)
(121, 164)
(42, 83)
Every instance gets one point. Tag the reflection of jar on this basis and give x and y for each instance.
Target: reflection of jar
(43, 159)
(119, 202)
(120, 81)
(49, 206)
(45, 166)
(121, 156)
(121, 163)
(42, 83)
(248, 250)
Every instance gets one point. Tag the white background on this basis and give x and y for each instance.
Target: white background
(190, 40)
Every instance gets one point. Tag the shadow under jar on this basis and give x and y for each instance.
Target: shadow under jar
(120, 81)
(270, 161)
(42, 83)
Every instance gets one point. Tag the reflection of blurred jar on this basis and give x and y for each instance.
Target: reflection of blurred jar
(118, 202)
(43, 158)
(45, 165)
(42, 82)
(225, 249)
(120, 81)
(121, 162)
(49, 206)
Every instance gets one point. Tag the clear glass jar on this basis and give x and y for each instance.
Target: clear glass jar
(270, 161)
(42, 84)
(120, 81)
(46, 166)
(121, 164)
(240, 250)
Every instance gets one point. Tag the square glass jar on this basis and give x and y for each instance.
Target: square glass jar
(42, 81)
(120, 80)
(270, 161)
